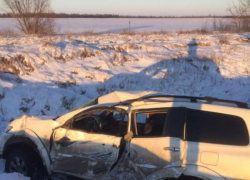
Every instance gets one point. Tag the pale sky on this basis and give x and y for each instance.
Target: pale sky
(143, 7)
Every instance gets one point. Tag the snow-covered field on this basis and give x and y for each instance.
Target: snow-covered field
(105, 25)
(51, 75)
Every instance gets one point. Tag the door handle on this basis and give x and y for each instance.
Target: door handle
(173, 149)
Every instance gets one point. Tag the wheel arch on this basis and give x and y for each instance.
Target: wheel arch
(165, 173)
(29, 140)
(18, 141)
(202, 172)
(187, 172)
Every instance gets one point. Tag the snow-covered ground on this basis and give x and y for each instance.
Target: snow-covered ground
(54, 74)
(104, 25)
(13, 176)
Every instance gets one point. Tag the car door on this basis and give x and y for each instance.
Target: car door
(163, 146)
(82, 153)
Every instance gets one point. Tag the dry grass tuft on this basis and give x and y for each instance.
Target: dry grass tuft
(69, 34)
(223, 39)
(210, 57)
(176, 45)
(65, 84)
(133, 47)
(74, 72)
(68, 103)
(61, 58)
(242, 40)
(247, 71)
(126, 32)
(88, 33)
(111, 47)
(145, 34)
(161, 32)
(85, 53)
(27, 104)
(81, 54)
(47, 44)
(203, 44)
(98, 67)
(118, 59)
(196, 31)
(101, 90)
(105, 78)
(15, 65)
(120, 48)
(89, 76)
(8, 32)
(104, 48)
(2, 95)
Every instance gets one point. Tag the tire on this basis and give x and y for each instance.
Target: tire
(25, 162)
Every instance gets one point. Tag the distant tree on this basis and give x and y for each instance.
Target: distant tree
(33, 16)
(241, 15)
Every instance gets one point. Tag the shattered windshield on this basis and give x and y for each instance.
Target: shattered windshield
(87, 104)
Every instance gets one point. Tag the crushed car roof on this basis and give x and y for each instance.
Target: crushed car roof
(130, 97)
(124, 98)
(119, 96)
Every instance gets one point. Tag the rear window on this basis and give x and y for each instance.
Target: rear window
(209, 127)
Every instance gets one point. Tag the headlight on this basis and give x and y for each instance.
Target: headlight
(8, 129)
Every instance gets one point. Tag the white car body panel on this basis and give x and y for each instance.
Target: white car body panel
(151, 155)
(84, 153)
(232, 163)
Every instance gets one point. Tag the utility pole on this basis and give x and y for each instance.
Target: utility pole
(129, 26)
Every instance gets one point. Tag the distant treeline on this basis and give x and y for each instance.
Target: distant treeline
(64, 15)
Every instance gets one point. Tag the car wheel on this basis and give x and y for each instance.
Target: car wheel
(26, 163)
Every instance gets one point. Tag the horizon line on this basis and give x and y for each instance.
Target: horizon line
(79, 15)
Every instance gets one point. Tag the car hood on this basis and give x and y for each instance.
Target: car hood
(39, 125)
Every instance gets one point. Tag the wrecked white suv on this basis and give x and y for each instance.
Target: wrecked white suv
(147, 134)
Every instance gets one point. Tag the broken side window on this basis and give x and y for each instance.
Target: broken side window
(108, 122)
(168, 122)
(150, 124)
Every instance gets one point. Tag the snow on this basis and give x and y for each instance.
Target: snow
(13, 176)
(59, 73)
(106, 25)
